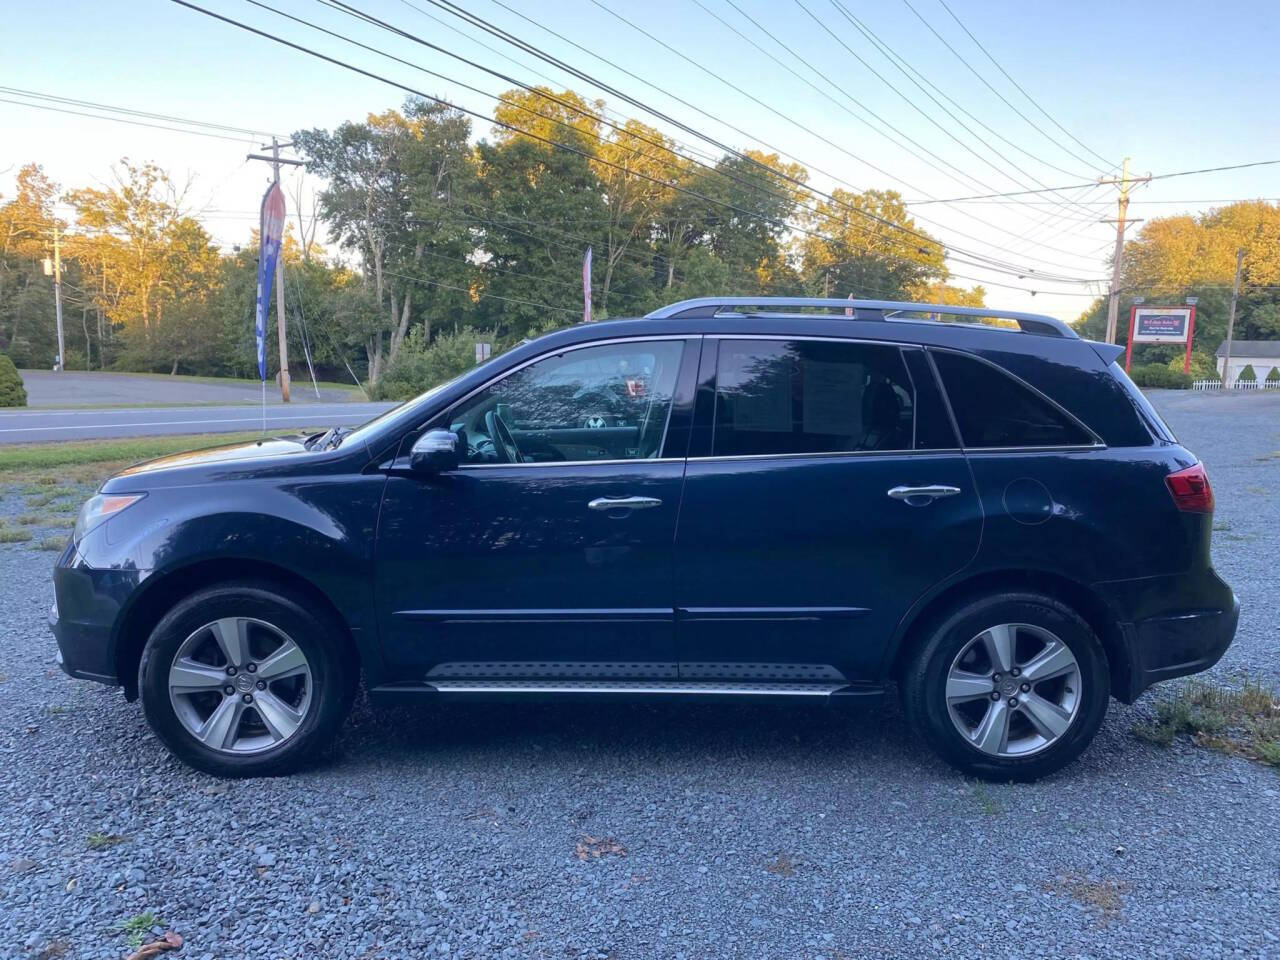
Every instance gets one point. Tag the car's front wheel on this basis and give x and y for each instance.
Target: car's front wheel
(1008, 687)
(239, 680)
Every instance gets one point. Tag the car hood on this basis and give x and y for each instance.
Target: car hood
(231, 453)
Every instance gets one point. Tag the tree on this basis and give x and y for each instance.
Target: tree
(141, 255)
(867, 245)
(12, 391)
(393, 183)
(28, 331)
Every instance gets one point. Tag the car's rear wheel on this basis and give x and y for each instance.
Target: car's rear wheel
(238, 680)
(1008, 687)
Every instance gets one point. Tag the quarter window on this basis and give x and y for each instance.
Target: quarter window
(994, 410)
(777, 397)
(608, 402)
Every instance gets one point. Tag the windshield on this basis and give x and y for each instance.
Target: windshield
(405, 411)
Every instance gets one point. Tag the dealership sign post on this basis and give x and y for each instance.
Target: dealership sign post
(1161, 325)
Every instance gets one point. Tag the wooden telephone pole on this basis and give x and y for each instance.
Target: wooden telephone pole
(1231, 321)
(1113, 302)
(276, 160)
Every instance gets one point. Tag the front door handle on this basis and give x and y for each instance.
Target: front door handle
(918, 496)
(624, 503)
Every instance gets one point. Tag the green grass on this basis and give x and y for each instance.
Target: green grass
(52, 543)
(101, 841)
(138, 926)
(21, 457)
(1242, 721)
(11, 535)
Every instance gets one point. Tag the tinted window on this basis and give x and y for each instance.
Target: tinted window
(598, 403)
(994, 410)
(780, 397)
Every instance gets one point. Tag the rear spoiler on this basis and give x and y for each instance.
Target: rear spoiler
(1109, 352)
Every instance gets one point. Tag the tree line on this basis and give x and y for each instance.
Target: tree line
(431, 239)
(434, 239)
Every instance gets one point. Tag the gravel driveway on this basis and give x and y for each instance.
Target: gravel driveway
(640, 831)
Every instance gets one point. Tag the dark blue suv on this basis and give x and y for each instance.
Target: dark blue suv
(729, 497)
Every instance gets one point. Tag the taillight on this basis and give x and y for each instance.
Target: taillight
(1191, 490)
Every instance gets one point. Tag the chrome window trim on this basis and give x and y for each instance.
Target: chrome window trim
(1097, 441)
(564, 463)
(638, 338)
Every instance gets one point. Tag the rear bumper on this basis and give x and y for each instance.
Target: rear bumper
(1171, 626)
(1163, 648)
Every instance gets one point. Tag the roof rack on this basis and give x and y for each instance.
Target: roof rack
(862, 310)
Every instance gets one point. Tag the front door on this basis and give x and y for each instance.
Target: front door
(548, 553)
(825, 492)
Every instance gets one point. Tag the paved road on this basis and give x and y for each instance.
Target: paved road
(77, 388)
(40, 425)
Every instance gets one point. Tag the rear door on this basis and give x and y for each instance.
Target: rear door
(824, 493)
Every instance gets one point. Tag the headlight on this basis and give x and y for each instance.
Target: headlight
(100, 508)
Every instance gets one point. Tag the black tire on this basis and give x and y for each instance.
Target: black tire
(924, 684)
(334, 673)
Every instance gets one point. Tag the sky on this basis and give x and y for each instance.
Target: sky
(1176, 86)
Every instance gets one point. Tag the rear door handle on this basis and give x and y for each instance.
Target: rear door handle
(624, 503)
(922, 495)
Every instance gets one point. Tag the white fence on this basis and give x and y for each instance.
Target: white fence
(1237, 385)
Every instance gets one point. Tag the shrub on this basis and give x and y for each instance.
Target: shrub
(1274, 375)
(1247, 374)
(420, 366)
(12, 392)
(1203, 366)
(1160, 375)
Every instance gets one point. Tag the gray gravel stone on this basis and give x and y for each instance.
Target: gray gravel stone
(453, 833)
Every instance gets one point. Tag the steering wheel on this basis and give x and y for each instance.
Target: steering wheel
(503, 442)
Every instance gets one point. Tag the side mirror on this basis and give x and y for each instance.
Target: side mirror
(436, 451)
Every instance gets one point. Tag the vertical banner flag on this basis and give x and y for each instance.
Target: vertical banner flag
(586, 287)
(271, 232)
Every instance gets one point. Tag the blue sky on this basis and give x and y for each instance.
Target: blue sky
(1176, 86)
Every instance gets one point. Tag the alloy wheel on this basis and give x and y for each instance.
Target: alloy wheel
(240, 685)
(1013, 690)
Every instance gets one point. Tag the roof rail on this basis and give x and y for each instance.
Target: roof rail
(862, 310)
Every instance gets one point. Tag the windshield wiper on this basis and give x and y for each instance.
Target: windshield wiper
(329, 440)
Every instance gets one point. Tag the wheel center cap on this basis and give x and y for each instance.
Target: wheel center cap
(244, 682)
(1009, 686)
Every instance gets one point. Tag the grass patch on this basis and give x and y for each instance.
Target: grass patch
(988, 804)
(52, 543)
(103, 841)
(1241, 721)
(40, 457)
(1105, 896)
(138, 926)
(13, 535)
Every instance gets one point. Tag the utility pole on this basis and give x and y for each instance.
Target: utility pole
(1231, 320)
(57, 295)
(281, 327)
(1113, 303)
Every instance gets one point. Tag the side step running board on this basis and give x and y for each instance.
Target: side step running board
(636, 687)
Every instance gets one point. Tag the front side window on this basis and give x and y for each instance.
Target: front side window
(994, 410)
(608, 402)
(776, 397)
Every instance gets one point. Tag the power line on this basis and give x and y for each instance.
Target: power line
(503, 34)
(985, 261)
(1076, 186)
(555, 144)
(136, 123)
(921, 153)
(1108, 163)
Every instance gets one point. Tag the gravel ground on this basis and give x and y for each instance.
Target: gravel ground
(647, 830)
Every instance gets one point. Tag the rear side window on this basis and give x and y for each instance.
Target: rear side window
(776, 397)
(994, 410)
(1155, 423)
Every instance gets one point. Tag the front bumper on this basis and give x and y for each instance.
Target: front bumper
(87, 605)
